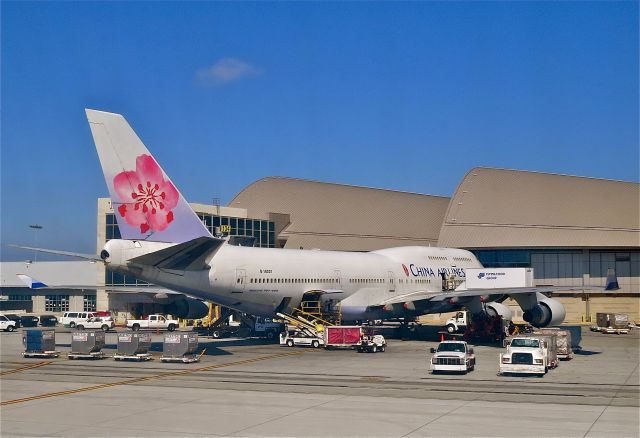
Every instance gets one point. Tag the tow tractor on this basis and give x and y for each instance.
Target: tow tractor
(371, 344)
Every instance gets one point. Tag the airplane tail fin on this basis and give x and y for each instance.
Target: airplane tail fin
(147, 205)
(612, 280)
(31, 282)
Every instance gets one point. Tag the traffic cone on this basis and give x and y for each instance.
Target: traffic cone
(441, 337)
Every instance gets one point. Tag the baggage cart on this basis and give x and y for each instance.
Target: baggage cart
(133, 346)
(563, 341)
(87, 345)
(39, 343)
(180, 347)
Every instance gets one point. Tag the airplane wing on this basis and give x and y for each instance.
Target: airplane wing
(187, 256)
(422, 297)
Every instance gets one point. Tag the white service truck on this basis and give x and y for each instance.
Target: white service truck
(153, 322)
(6, 324)
(525, 355)
(457, 323)
(293, 337)
(452, 356)
(371, 344)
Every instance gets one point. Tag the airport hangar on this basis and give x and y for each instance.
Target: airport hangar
(569, 229)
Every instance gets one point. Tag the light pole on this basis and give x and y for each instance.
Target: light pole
(35, 228)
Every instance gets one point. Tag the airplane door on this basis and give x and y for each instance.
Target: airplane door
(392, 282)
(241, 280)
(338, 275)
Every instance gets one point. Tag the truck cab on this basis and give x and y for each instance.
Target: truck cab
(452, 356)
(458, 322)
(525, 355)
(294, 337)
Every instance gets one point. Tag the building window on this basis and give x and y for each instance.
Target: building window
(19, 298)
(56, 303)
(89, 303)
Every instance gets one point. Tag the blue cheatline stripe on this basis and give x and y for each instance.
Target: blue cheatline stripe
(37, 285)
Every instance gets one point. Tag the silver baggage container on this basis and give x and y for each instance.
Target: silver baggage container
(85, 342)
(179, 344)
(132, 344)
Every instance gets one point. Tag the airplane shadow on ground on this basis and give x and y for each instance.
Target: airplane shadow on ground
(586, 352)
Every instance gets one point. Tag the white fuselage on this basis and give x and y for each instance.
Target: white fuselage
(257, 280)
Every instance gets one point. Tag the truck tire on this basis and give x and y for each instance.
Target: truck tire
(72, 324)
(384, 347)
(315, 344)
(10, 328)
(290, 343)
(216, 334)
(171, 327)
(451, 328)
(80, 327)
(374, 349)
(135, 327)
(270, 335)
(105, 328)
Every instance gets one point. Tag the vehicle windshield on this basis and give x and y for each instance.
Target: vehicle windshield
(450, 346)
(523, 342)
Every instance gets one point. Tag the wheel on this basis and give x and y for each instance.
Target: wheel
(216, 334)
(135, 327)
(290, 343)
(10, 328)
(171, 327)
(72, 324)
(80, 327)
(374, 349)
(315, 344)
(270, 336)
(105, 328)
(383, 348)
(451, 328)
(546, 370)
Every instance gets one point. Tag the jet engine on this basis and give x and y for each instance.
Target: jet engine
(498, 309)
(188, 308)
(544, 313)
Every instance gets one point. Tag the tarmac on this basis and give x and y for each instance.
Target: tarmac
(250, 388)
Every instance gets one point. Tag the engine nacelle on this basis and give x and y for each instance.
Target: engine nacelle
(188, 308)
(498, 309)
(545, 313)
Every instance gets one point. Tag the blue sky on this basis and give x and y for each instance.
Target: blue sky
(405, 96)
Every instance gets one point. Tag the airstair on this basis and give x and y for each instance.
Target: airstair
(313, 315)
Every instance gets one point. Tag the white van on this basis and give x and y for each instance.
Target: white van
(73, 318)
(6, 324)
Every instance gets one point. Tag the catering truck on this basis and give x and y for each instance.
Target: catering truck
(456, 356)
(154, 322)
(525, 355)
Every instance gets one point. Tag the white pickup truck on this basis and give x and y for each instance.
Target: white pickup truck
(6, 324)
(153, 322)
(455, 356)
(525, 355)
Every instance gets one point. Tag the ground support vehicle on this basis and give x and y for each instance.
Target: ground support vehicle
(564, 348)
(71, 319)
(371, 344)
(48, 320)
(452, 356)
(15, 318)
(98, 322)
(245, 326)
(612, 323)
(296, 336)
(457, 323)
(180, 347)
(153, 322)
(341, 336)
(29, 321)
(6, 324)
(525, 355)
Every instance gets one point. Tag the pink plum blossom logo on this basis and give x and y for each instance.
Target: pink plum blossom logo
(148, 199)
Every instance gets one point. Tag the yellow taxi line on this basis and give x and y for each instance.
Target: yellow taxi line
(142, 379)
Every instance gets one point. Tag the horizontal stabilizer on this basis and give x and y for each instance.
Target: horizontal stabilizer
(187, 256)
(92, 257)
(33, 284)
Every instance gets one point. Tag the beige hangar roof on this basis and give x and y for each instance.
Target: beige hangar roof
(343, 217)
(509, 208)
